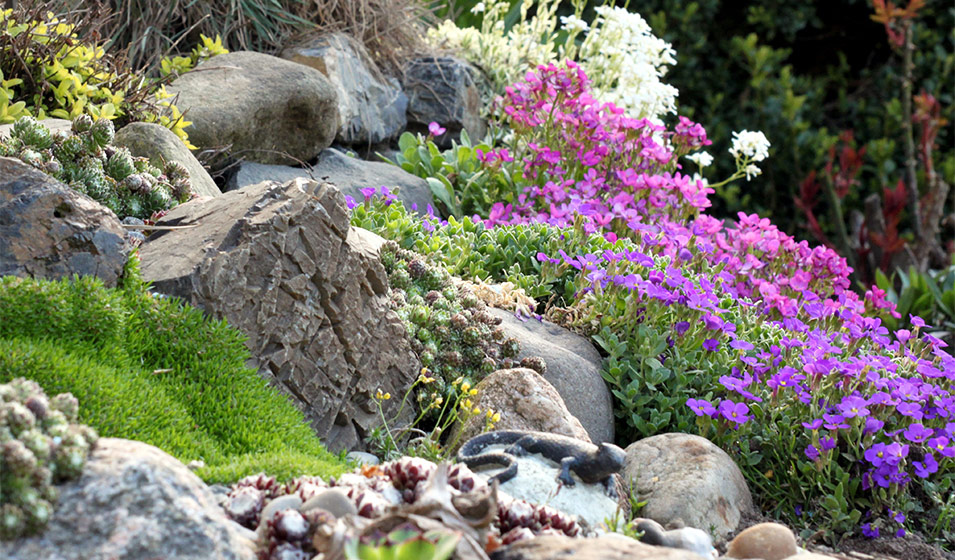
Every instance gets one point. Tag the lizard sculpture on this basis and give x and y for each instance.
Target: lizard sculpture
(591, 463)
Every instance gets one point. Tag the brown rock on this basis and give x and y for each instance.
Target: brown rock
(769, 541)
(48, 230)
(688, 481)
(267, 109)
(573, 368)
(282, 264)
(525, 401)
(608, 547)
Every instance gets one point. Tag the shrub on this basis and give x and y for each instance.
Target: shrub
(153, 369)
(86, 162)
(51, 70)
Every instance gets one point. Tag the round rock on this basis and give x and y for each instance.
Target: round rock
(688, 481)
(332, 500)
(269, 110)
(769, 541)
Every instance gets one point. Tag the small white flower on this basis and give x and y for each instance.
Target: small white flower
(753, 145)
(478, 8)
(702, 159)
(752, 171)
(573, 24)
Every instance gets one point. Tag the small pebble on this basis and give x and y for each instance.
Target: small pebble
(769, 541)
(362, 458)
(282, 502)
(332, 500)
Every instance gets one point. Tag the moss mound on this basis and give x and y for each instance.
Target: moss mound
(153, 369)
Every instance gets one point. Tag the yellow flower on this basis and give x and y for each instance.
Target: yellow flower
(476, 410)
(473, 392)
(382, 396)
(467, 403)
(465, 386)
(496, 418)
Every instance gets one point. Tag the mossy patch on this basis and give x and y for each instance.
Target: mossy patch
(156, 370)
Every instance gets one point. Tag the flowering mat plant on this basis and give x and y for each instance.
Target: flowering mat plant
(731, 329)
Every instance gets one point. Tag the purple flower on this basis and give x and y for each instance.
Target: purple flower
(814, 425)
(368, 192)
(681, 327)
(700, 407)
(925, 467)
(740, 344)
(435, 129)
(911, 409)
(876, 454)
(350, 201)
(711, 344)
(734, 412)
(850, 407)
(939, 444)
(835, 422)
(872, 425)
(916, 321)
(827, 443)
(870, 531)
(812, 452)
(917, 433)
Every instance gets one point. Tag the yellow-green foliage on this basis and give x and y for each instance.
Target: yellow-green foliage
(48, 70)
(207, 48)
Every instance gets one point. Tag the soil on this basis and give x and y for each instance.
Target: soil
(910, 547)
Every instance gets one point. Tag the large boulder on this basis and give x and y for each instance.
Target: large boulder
(607, 547)
(48, 230)
(135, 502)
(686, 480)
(573, 368)
(265, 108)
(349, 174)
(371, 106)
(446, 90)
(281, 264)
(159, 144)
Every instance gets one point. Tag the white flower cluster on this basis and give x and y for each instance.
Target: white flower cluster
(703, 159)
(626, 64)
(749, 147)
(623, 59)
(753, 145)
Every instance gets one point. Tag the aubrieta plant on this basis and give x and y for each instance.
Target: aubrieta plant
(732, 329)
(40, 446)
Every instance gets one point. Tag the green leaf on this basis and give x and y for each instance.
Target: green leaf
(407, 142)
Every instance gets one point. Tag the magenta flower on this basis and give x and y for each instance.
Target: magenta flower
(850, 407)
(435, 129)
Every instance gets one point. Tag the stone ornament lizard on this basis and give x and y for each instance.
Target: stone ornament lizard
(591, 463)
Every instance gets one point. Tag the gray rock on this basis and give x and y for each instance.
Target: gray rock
(573, 368)
(687, 538)
(607, 547)
(282, 265)
(135, 502)
(269, 110)
(332, 500)
(445, 90)
(48, 230)
(363, 458)
(372, 106)
(687, 481)
(349, 174)
(159, 144)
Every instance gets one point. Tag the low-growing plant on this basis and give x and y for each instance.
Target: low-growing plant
(405, 542)
(41, 445)
(456, 176)
(153, 369)
(87, 162)
(929, 295)
(206, 49)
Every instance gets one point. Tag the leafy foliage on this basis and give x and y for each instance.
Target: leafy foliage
(51, 69)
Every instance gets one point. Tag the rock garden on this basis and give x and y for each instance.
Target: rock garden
(387, 279)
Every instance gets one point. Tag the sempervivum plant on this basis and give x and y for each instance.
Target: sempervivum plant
(451, 330)
(85, 160)
(40, 445)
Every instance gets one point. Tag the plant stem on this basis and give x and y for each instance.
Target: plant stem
(910, 159)
(842, 234)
